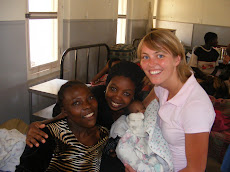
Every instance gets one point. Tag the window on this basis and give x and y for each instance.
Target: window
(121, 21)
(43, 30)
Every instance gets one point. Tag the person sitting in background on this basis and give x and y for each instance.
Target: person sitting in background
(100, 78)
(204, 62)
(75, 143)
(205, 58)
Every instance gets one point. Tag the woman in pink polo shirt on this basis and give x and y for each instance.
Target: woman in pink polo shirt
(186, 112)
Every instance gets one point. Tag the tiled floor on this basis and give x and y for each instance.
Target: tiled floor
(213, 165)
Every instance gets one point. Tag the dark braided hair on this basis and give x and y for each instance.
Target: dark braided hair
(129, 70)
(63, 89)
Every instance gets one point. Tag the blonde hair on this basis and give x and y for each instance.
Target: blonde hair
(164, 40)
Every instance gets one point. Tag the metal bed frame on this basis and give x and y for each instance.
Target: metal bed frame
(87, 47)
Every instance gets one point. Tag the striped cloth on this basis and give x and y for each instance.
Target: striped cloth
(70, 154)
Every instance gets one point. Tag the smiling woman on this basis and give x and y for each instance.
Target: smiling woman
(123, 84)
(186, 112)
(119, 85)
(76, 137)
(80, 106)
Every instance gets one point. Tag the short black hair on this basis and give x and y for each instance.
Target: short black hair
(63, 89)
(209, 37)
(113, 60)
(130, 70)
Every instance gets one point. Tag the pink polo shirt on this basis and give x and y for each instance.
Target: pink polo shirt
(189, 111)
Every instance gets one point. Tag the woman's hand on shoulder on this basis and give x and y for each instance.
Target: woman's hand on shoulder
(35, 134)
(128, 168)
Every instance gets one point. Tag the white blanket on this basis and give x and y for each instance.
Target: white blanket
(12, 145)
(151, 153)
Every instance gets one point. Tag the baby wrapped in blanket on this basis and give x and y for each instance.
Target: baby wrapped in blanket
(142, 145)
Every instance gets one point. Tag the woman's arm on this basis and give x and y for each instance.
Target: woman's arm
(100, 74)
(35, 134)
(196, 149)
(37, 158)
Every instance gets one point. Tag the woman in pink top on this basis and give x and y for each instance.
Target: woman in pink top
(186, 112)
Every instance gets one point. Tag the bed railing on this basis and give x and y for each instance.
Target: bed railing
(87, 48)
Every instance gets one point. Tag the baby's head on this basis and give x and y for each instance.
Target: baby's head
(136, 106)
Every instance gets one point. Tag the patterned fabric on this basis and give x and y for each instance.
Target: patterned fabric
(122, 51)
(157, 143)
(62, 151)
(150, 153)
(70, 154)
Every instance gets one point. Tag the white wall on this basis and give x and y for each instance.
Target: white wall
(183, 30)
(13, 87)
(139, 9)
(12, 10)
(91, 9)
(210, 12)
(216, 12)
(192, 19)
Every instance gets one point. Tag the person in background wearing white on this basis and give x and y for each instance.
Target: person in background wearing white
(186, 112)
(204, 60)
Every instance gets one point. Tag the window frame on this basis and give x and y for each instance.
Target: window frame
(122, 16)
(51, 67)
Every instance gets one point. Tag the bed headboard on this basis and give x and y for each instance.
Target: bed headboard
(87, 55)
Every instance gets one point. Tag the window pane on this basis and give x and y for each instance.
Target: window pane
(121, 27)
(43, 41)
(122, 7)
(43, 5)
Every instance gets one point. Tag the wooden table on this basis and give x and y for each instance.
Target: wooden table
(47, 89)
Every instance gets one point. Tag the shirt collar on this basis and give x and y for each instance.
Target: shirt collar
(180, 98)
